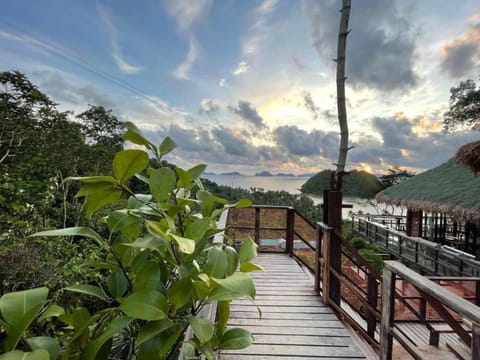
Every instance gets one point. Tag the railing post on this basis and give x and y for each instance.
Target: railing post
(477, 292)
(257, 226)
(290, 230)
(326, 264)
(372, 295)
(334, 249)
(318, 257)
(388, 308)
(475, 341)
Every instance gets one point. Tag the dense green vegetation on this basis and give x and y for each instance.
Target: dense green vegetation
(157, 268)
(356, 183)
(302, 204)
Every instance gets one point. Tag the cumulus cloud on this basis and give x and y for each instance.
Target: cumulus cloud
(209, 107)
(187, 12)
(381, 47)
(222, 82)
(182, 70)
(62, 89)
(462, 55)
(302, 143)
(249, 113)
(401, 143)
(241, 68)
(117, 55)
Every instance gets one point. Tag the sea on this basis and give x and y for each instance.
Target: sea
(292, 185)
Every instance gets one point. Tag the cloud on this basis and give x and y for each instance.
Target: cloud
(122, 64)
(300, 65)
(248, 113)
(310, 104)
(241, 68)
(267, 6)
(182, 70)
(401, 143)
(59, 88)
(380, 49)
(222, 82)
(187, 12)
(302, 143)
(209, 107)
(462, 55)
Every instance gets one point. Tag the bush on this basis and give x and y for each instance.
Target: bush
(160, 269)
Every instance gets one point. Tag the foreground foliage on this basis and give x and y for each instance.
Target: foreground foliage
(160, 269)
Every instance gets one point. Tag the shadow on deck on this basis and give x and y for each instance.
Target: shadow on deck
(295, 323)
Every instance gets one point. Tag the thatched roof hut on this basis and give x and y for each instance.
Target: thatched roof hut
(469, 156)
(450, 189)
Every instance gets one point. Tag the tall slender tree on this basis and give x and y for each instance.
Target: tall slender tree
(341, 100)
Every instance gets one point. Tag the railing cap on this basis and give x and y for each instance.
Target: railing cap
(324, 226)
(453, 301)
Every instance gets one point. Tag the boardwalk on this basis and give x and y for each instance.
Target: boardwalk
(295, 323)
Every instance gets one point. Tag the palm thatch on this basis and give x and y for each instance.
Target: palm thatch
(449, 189)
(469, 156)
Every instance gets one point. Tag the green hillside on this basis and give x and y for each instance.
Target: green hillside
(357, 183)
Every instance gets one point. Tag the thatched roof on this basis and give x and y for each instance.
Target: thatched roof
(469, 155)
(449, 188)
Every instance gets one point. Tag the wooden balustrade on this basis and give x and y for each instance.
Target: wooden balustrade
(442, 300)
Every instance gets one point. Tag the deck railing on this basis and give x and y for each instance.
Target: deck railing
(425, 256)
(449, 306)
(346, 281)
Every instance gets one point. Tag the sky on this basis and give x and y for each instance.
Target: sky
(249, 85)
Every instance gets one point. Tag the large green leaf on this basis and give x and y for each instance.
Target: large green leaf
(17, 330)
(148, 276)
(92, 187)
(128, 163)
(186, 246)
(117, 284)
(93, 179)
(197, 229)
(73, 231)
(233, 287)
(232, 259)
(196, 171)
(248, 250)
(162, 183)
(202, 328)
(152, 329)
(52, 311)
(88, 290)
(20, 355)
(115, 326)
(47, 343)
(146, 305)
(249, 267)
(236, 339)
(201, 289)
(99, 199)
(216, 264)
(158, 346)
(13, 306)
(207, 202)
(223, 314)
(180, 293)
(119, 219)
(167, 146)
(184, 179)
(148, 242)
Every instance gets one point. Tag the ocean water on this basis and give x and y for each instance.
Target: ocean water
(293, 185)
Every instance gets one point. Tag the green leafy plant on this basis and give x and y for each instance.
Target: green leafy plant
(162, 269)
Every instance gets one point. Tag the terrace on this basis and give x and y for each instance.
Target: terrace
(315, 277)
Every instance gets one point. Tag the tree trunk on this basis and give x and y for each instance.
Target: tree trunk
(341, 106)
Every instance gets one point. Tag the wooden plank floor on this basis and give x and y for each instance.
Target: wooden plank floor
(295, 323)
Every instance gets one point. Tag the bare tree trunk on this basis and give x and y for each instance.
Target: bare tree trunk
(341, 106)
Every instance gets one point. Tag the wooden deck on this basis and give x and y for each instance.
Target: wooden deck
(295, 323)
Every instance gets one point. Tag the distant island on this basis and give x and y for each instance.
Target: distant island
(261, 173)
(357, 183)
(232, 173)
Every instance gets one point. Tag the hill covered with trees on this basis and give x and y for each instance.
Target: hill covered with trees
(357, 183)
